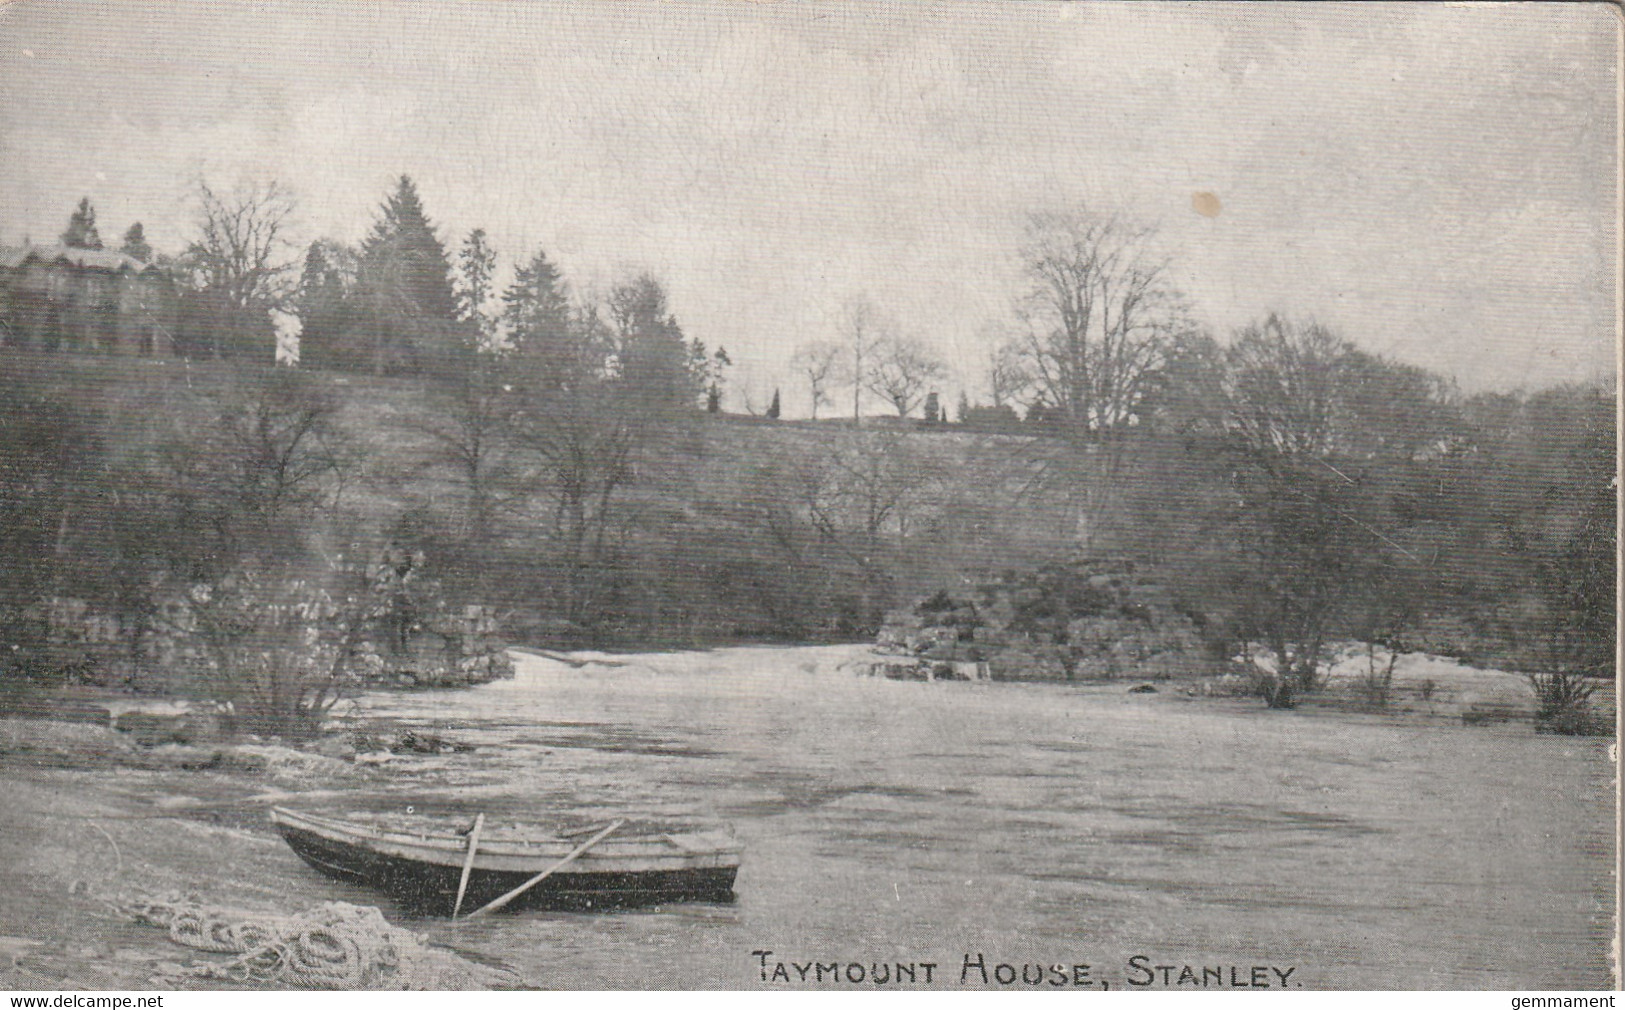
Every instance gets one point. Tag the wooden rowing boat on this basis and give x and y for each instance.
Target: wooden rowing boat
(424, 871)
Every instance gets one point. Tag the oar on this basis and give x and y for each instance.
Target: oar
(533, 881)
(468, 864)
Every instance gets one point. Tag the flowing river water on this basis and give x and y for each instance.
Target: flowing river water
(889, 822)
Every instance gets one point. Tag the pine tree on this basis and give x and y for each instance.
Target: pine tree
(476, 263)
(656, 360)
(964, 407)
(714, 372)
(536, 313)
(135, 244)
(406, 289)
(81, 233)
(773, 408)
(933, 408)
(325, 309)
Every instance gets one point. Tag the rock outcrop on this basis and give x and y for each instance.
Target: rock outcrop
(1082, 621)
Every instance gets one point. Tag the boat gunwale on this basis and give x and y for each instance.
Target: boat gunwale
(663, 849)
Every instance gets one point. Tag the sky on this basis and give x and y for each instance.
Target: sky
(1438, 182)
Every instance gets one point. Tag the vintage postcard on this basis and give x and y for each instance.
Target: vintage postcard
(838, 496)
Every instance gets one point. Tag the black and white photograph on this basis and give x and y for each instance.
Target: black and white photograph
(842, 496)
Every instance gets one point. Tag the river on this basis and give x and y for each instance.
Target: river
(889, 822)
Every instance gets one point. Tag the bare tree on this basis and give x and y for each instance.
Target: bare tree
(901, 371)
(581, 426)
(250, 484)
(241, 267)
(1007, 375)
(1281, 390)
(1100, 311)
(1101, 314)
(859, 500)
(821, 364)
(861, 326)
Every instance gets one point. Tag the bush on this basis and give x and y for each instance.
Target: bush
(281, 652)
(1563, 704)
(1375, 687)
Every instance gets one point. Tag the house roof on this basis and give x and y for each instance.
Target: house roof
(85, 259)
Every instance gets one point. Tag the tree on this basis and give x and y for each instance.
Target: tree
(281, 649)
(820, 363)
(858, 497)
(962, 411)
(1547, 497)
(654, 359)
(469, 424)
(901, 369)
(933, 409)
(476, 264)
(467, 429)
(1283, 388)
(250, 483)
(713, 370)
(81, 232)
(52, 462)
(135, 243)
(239, 267)
(409, 307)
(773, 408)
(1007, 375)
(860, 326)
(325, 302)
(1100, 311)
(536, 314)
(583, 435)
(1321, 521)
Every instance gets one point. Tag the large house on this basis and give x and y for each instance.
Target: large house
(65, 298)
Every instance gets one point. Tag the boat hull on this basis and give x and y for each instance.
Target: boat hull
(428, 886)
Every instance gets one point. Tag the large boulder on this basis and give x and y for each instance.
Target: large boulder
(1088, 620)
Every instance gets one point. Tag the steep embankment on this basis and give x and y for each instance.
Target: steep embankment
(726, 528)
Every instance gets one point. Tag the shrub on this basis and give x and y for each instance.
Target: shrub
(1563, 704)
(1374, 688)
(280, 651)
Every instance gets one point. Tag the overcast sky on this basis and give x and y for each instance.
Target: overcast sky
(1438, 182)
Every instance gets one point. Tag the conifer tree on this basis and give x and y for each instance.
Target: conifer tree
(476, 263)
(135, 244)
(773, 408)
(324, 306)
(536, 312)
(656, 362)
(405, 288)
(82, 233)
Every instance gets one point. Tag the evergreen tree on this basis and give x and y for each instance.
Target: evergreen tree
(712, 371)
(405, 288)
(82, 233)
(964, 407)
(536, 312)
(135, 244)
(324, 306)
(773, 408)
(656, 362)
(933, 408)
(476, 263)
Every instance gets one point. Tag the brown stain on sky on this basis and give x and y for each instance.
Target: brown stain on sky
(1205, 203)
